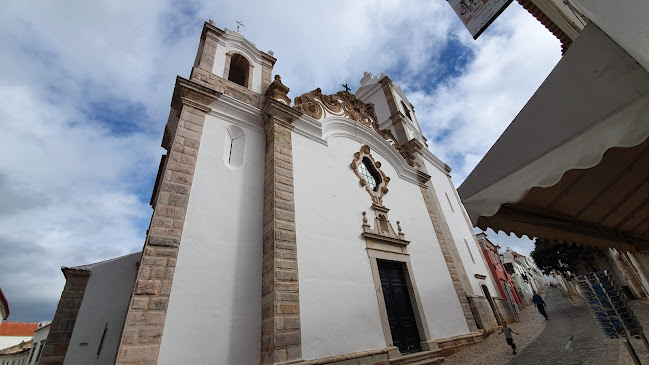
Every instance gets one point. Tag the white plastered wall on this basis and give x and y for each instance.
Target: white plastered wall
(412, 124)
(460, 230)
(338, 303)
(105, 303)
(216, 292)
(8, 341)
(380, 104)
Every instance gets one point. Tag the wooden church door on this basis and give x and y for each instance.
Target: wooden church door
(401, 317)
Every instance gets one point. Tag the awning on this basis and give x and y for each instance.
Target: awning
(574, 164)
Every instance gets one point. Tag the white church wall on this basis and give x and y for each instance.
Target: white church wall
(216, 292)
(338, 306)
(334, 270)
(219, 61)
(380, 104)
(439, 300)
(412, 127)
(462, 234)
(105, 303)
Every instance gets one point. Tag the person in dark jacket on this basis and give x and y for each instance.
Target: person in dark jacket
(540, 304)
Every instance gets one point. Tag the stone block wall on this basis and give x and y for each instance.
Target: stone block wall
(505, 309)
(142, 334)
(281, 340)
(58, 339)
(484, 314)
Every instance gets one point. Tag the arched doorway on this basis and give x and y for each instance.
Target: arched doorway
(487, 295)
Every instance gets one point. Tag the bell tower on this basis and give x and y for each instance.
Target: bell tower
(204, 238)
(393, 109)
(229, 63)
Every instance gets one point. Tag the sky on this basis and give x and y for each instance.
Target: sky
(86, 88)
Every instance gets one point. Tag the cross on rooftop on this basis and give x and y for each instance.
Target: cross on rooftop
(346, 87)
(239, 24)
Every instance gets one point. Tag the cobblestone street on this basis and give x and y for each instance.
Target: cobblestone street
(494, 350)
(571, 336)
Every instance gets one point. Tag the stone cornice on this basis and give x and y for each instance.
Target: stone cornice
(207, 28)
(187, 92)
(238, 113)
(378, 237)
(275, 109)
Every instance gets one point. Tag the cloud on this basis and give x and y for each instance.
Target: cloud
(86, 89)
(463, 116)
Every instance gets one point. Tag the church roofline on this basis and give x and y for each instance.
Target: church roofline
(230, 35)
(87, 268)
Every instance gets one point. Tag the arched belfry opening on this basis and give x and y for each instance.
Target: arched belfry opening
(239, 69)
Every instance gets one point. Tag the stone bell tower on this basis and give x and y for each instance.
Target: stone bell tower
(200, 274)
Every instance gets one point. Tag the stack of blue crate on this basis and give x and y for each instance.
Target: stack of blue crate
(608, 304)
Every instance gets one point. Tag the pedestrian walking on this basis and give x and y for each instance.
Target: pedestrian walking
(508, 336)
(540, 304)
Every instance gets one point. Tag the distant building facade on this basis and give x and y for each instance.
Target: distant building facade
(27, 352)
(13, 333)
(502, 279)
(527, 277)
(89, 319)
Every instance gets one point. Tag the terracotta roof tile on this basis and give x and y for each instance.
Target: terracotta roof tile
(25, 329)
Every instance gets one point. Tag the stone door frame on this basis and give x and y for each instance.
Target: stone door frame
(427, 344)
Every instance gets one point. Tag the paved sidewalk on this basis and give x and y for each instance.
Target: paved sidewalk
(494, 350)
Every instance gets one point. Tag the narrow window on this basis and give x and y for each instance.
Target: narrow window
(235, 140)
(467, 247)
(239, 67)
(40, 350)
(406, 110)
(449, 203)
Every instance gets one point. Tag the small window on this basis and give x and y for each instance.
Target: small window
(406, 110)
(235, 141)
(369, 173)
(467, 247)
(239, 67)
(449, 203)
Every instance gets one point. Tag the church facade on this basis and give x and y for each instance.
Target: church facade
(310, 231)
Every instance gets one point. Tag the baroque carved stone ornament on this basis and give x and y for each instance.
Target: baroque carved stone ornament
(370, 175)
(316, 105)
(279, 91)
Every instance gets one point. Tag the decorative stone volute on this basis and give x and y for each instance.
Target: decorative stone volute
(279, 91)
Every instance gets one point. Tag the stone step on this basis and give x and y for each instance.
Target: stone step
(418, 358)
(431, 361)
